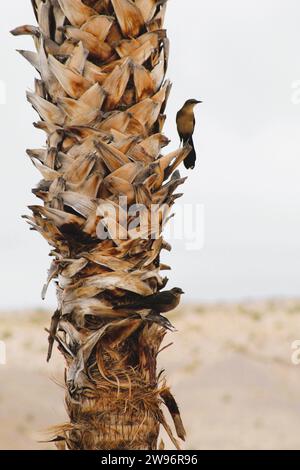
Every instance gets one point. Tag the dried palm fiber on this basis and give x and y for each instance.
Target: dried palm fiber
(101, 98)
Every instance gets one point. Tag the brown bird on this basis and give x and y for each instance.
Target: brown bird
(186, 125)
(161, 302)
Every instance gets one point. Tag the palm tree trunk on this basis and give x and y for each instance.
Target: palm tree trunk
(101, 98)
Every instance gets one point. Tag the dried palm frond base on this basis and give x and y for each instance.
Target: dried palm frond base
(128, 423)
(101, 98)
(114, 403)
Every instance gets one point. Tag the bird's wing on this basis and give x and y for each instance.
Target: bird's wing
(163, 298)
(178, 115)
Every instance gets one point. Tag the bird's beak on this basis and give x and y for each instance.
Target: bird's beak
(198, 102)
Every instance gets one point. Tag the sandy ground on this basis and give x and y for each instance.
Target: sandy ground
(230, 369)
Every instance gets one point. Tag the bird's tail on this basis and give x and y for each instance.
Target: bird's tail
(190, 160)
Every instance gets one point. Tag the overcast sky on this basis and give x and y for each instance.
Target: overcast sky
(241, 57)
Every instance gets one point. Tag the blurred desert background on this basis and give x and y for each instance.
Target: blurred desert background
(230, 369)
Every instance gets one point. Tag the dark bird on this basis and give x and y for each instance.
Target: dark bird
(186, 125)
(161, 302)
